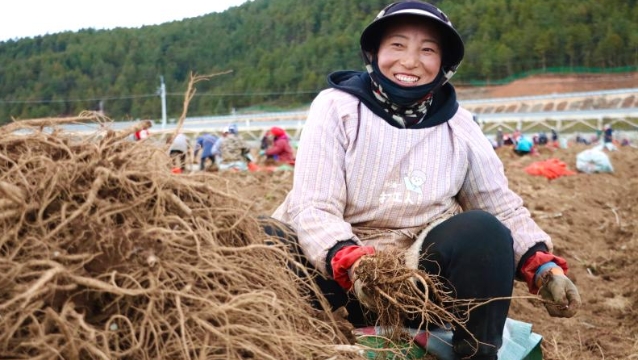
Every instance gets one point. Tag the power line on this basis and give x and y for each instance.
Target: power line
(173, 94)
(259, 93)
(76, 100)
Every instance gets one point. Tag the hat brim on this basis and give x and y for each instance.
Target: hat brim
(453, 47)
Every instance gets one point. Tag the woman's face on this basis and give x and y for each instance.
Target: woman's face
(410, 52)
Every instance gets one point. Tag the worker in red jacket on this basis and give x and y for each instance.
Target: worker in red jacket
(280, 148)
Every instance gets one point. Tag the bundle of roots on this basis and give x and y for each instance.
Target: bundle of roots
(399, 294)
(105, 254)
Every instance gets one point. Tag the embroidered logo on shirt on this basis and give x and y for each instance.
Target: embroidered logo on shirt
(415, 181)
(394, 192)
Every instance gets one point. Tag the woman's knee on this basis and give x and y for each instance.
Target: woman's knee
(468, 238)
(475, 229)
(275, 228)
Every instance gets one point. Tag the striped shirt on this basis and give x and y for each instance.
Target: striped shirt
(359, 178)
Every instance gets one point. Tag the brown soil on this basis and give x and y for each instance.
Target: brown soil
(594, 224)
(592, 219)
(553, 84)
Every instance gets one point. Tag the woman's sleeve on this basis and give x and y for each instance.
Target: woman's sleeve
(318, 198)
(275, 149)
(486, 187)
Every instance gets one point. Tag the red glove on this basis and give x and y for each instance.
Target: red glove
(528, 270)
(344, 259)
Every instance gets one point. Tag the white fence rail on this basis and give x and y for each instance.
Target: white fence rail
(293, 121)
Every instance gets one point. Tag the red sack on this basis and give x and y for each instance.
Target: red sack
(551, 169)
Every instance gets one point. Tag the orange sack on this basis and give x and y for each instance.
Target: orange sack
(551, 169)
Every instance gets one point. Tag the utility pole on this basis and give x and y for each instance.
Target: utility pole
(162, 93)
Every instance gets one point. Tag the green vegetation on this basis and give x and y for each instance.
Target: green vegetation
(280, 52)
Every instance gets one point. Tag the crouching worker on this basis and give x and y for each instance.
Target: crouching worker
(388, 159)
(232, 150)
(524, 146)
(280, 148)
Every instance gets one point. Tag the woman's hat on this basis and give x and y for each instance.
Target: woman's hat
(277, 131)
(452, 44)
(232, 128)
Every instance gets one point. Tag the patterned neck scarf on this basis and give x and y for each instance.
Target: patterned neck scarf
(407, 105)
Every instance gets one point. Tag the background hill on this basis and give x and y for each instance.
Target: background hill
(281, 50)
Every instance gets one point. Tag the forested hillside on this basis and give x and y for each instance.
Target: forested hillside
(280, 51)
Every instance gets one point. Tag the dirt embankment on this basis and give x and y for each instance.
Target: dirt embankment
(550, 84)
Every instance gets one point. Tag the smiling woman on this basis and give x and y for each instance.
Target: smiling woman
(388, 160)
(72, 15)
(410, 53)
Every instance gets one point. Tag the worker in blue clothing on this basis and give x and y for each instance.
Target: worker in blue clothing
(608, 134)
(205, 144)
(524, 145)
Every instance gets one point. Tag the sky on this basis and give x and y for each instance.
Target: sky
(29, 18)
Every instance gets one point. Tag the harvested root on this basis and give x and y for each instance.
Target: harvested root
(11, 193)
(105, 254)
(398, 293)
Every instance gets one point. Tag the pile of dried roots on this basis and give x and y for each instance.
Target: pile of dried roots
(105, 254)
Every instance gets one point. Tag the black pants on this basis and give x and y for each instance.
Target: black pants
(473, 251)
(202, 163)
(521, 152)
(179, 159)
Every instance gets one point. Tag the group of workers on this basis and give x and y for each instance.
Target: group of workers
(230, 151)
(523, 144)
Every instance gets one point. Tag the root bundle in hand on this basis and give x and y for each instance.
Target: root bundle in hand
(105, 254)
(397, 293)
